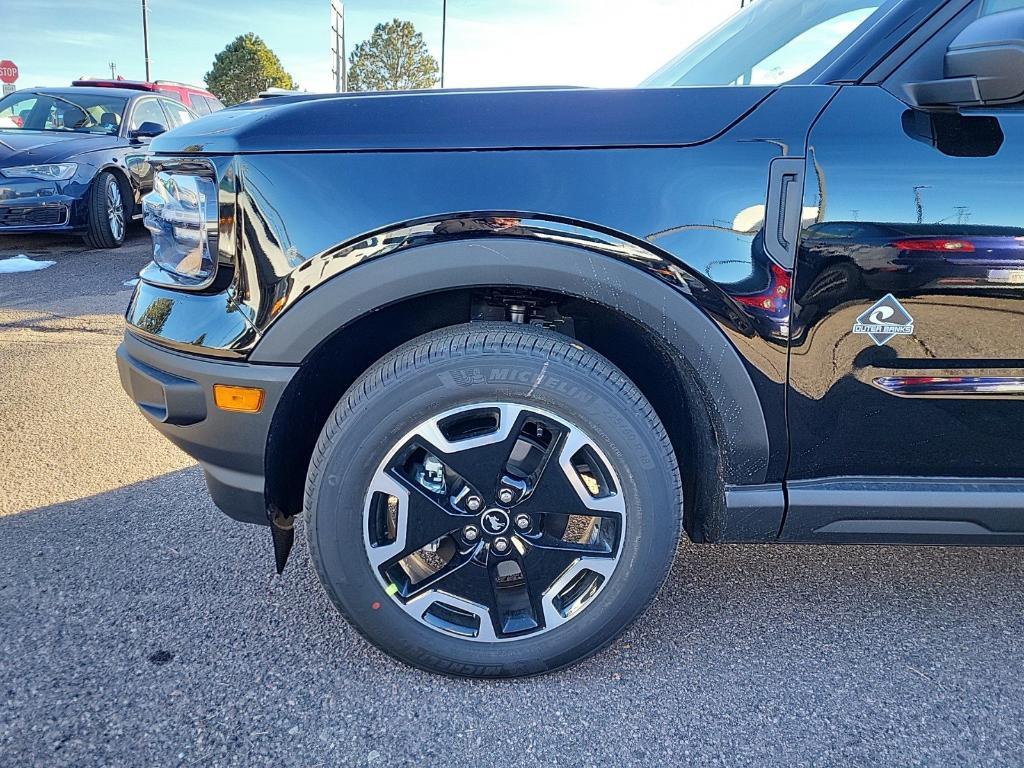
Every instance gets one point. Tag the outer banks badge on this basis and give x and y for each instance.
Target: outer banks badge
(885, 319)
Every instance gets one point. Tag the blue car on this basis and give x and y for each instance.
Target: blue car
(74, 159)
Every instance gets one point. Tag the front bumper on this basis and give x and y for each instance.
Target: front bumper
(34, 205)
(175, 393)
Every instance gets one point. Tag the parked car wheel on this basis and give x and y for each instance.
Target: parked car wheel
(109, 213)
(493, 500)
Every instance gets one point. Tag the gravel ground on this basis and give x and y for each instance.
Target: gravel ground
(140, 626)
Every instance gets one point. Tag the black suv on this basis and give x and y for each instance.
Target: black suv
(500, 347)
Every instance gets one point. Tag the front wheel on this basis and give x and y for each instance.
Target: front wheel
(493, 500)
(107, 215)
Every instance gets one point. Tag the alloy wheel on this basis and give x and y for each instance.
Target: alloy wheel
(115, 210)
(494, 522)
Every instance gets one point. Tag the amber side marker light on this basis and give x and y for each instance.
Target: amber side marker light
(244, 399)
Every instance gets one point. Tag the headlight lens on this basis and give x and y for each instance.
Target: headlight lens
(181, 213)
(47, 172)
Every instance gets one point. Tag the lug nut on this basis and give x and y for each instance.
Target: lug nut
(500, 545)
(473, 503)
(505, 496)
(522, 522)
(470, 533)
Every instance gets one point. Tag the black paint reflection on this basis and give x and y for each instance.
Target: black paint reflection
(925, 207)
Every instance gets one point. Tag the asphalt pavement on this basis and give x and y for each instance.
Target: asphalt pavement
(141, 627)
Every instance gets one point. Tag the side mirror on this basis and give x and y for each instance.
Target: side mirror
(984, 66)
(148, 130)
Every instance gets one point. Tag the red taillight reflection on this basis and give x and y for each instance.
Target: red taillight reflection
(775, 297)
(939, 245)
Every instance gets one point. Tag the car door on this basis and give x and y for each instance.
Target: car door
(145, 110)
(906, 396)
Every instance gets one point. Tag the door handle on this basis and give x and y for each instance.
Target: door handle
(783, 209)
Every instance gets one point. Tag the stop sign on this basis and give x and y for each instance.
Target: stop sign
(8, 71)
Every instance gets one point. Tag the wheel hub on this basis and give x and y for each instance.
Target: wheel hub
(494, 521)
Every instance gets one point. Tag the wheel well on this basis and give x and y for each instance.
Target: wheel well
(666, 379)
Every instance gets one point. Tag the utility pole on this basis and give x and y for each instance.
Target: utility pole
(339, 66)
(444, 30)
(113, 70)
(918, 203)
(145, 35)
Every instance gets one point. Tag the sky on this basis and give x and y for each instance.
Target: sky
(607, 43)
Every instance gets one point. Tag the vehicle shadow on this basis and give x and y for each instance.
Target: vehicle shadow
(39, 244)
(143, 626)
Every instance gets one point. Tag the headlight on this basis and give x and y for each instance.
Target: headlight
(48, 172)
(181, 212)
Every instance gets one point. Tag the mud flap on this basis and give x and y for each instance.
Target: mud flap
(282, 530)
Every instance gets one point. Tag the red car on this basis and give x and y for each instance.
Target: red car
(198, 100)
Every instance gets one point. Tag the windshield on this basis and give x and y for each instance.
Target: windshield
(767, 43)
(64, 111)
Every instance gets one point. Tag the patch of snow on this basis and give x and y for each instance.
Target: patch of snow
(22, 263)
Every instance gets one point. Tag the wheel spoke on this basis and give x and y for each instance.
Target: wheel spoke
(426, 520)
(468, 583)
(496, 587)
(465, 577)
(480, 461)
(421, 520)
(542, 565)
(548, 567)
(560, 490)
(541, 568)
(545, 543)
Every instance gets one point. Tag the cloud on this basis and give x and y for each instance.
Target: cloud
(82, 38)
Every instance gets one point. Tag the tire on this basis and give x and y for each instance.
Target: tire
(108, 213)
(611, 466)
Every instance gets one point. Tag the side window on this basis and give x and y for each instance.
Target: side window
(215, 105)
(14, 116)
(199, 105)
(177, 113)
(147, 111)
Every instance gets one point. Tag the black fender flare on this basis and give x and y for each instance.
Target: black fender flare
(680, 326)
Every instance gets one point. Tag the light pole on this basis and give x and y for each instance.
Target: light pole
(145, 35)
(340, 66)
(444, 31)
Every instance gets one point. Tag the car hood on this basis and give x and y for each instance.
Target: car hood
(541, 118)
(19, 147)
